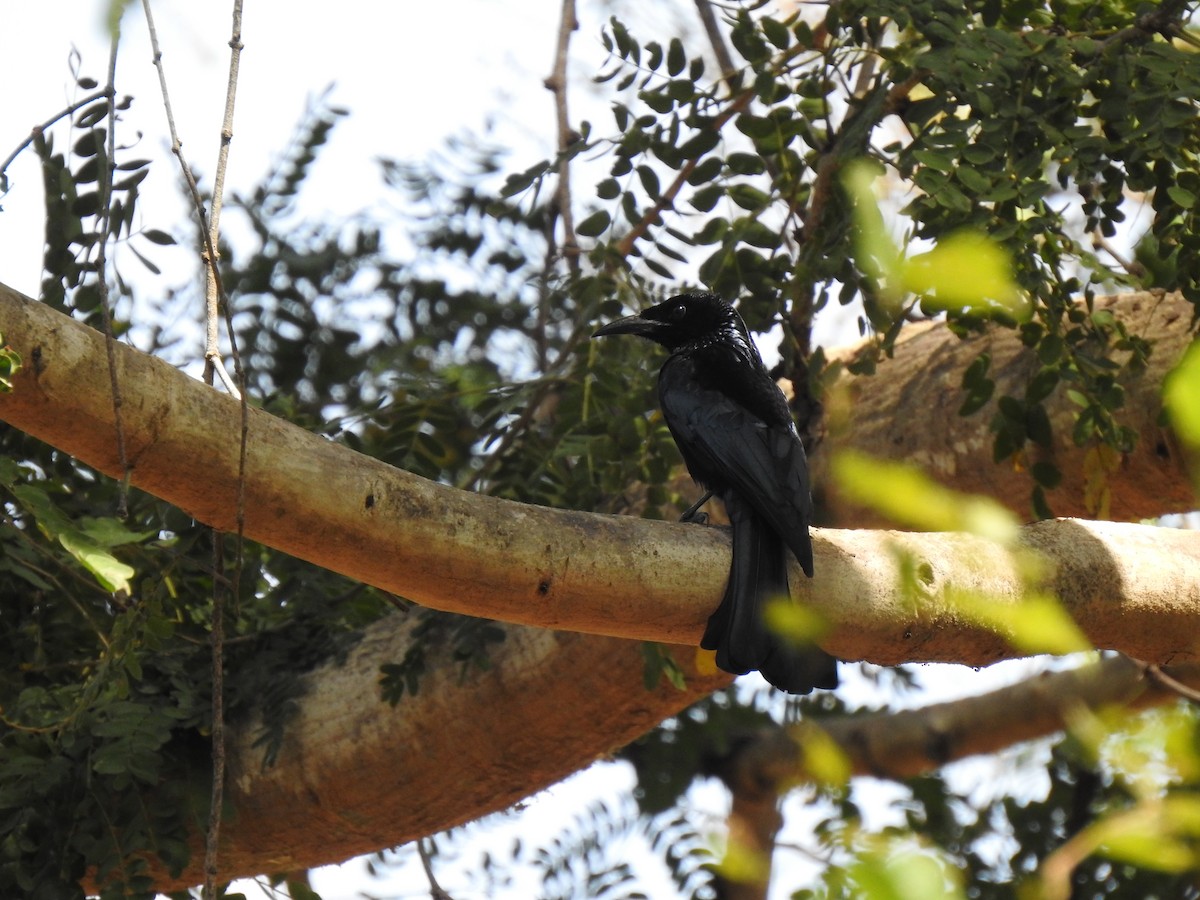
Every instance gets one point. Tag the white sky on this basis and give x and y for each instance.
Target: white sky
(411, 74)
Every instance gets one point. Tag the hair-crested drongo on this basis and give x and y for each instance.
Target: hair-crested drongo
(733, 428)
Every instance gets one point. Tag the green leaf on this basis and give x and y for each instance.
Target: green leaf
(676, 57)
(1047, 474)
(113, 574)
(1182, 196)
(776, 32)
(10, 365)
(111, 532)
(875, 253)
(156, 236)
(909, 497)
(966, 271)
(1181, 396)
(707, 197)
(978, 386)
(595, 224)
(1035, 624)
(749, 197)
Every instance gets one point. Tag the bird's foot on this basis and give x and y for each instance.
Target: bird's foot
(692, 515)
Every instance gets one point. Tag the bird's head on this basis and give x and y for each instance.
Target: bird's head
(684, 320)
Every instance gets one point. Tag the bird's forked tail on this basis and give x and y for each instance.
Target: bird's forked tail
(738, 631)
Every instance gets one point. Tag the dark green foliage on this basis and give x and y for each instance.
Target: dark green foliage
(93, 202)
(1032, 125)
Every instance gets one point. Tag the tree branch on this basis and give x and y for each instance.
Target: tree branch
(900, 745)
(1130, 587)
(907, 411)
(355, 775)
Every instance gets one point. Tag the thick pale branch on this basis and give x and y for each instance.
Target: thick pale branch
(355, 775)
(1132, 588)
(908, 411)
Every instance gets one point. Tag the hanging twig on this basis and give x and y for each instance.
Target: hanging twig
(216, 299)
(1162, 679)
(436, 892)
(212, 296)
(106, 190)
(556, 83)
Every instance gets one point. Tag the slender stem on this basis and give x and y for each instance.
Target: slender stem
(216, 299)
(557, 84)
(212, 838)
(436, 891)
(561, 209)
(1162, 679)
(37, 130)
(214, 295)
(106, 191)
(210, 249)
(715, 38)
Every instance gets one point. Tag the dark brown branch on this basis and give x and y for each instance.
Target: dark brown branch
(900, 745)
(716, 39)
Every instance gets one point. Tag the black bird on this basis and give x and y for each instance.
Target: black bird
(735, 433)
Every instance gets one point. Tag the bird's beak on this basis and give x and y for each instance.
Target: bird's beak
(647, 328)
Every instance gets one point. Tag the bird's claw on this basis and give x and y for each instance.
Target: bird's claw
(693, 515)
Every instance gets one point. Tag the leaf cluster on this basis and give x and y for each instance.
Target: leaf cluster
(91, 194)
(1028, 124)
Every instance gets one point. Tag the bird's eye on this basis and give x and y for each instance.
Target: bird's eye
(678, 311)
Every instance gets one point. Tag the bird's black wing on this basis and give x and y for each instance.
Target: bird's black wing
(727, 447)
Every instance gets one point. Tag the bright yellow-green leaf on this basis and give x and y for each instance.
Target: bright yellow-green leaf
(1147, 751)
(110, 532)
(113, 574)
(909, 497)
(705, 661)
(795, 621)
(743, 864)
(904, 874)
(1148, 849)
(1181, 396)
(1154, 834)
(875, 253)
(10, 365)
(966, 271)
(114, 12)
(825, 762)
(1036, 624)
